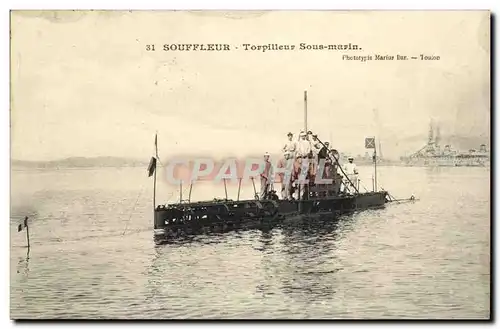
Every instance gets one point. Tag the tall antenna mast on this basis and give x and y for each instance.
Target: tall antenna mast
(437, 138)
(305, 111)
(431, 132)
(154, 178)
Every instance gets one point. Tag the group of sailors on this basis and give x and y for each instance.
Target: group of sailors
(307, 147)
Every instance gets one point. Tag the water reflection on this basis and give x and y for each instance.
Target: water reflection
(23, 267)
(269, 244)
(153, 273)
(301, 260)
(362, 266)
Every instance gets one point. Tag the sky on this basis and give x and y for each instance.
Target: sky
(82, 83)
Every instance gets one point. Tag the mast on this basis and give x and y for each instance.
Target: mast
(430, 141)
(437, 138)
(375, 163)
(431, 133)
(305, 192)
(154, 178)
(305, 111)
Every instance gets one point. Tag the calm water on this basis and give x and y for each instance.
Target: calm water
(92, 253)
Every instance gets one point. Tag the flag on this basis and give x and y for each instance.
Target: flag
(26, 221)
(370, 142)
(152, 166)
(19, 228)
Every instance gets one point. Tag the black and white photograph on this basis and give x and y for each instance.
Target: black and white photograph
(250, 164)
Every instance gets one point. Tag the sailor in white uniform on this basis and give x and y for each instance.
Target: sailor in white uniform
(266, 177)
(303, 152)
(290, 147)
(351, 171)
(314, 143)
(303, 146)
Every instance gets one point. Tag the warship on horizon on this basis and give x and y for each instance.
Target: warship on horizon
(431, 155)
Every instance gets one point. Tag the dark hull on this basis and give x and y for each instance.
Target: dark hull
(227, 215)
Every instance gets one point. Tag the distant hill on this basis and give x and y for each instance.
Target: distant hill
(80, 162)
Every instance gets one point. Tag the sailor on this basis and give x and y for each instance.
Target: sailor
(303, 156)
(323, 151)
(303, 146)
(290, 147)
(351, 171)
(323, 156)
(313, 155)
(265, 177)
(289, 156)
(336, 170)
(286, 177)
(315, 144)
(295, 187)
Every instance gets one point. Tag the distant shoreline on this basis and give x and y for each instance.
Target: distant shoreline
(74, 163)
(79, 163)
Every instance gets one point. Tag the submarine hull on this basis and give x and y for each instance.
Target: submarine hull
(219, 216)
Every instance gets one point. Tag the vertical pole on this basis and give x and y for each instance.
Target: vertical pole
(375, 163)
(27, 231)
(239, 187)
(254, 189)
(154, 191)
(156, 165)
(305, 131)
(300, 199)
(180, 192)
(190, 189)
(225, 188)
(305, 111)
(28, 236)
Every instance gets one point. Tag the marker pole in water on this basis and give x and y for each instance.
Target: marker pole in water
(27, 231)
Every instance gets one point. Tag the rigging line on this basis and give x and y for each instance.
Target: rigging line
(390, 195)
(363, 186)
(158, 157)
(329, 153)
(184, 191)
(132, 210)
(170, 197)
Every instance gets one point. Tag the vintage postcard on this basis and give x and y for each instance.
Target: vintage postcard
(250, 164)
